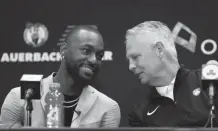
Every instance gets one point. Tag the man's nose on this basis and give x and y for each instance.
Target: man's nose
(132, 65)
(93, 59)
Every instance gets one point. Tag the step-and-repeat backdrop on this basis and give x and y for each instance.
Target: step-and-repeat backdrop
(31, 30)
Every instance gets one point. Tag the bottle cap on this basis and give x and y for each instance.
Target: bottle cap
(54, 86)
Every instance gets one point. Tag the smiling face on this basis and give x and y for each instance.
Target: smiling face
(83, 53)
(144, 57)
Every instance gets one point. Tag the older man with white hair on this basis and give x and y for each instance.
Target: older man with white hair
(178, 98)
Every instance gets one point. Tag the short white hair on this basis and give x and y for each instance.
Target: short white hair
(163, 34)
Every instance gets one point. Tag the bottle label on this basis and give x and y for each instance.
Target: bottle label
(53, 119)
(55, 113)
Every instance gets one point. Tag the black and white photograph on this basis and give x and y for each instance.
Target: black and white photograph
(109, 64)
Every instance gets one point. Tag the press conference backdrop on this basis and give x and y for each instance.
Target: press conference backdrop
(31, 30)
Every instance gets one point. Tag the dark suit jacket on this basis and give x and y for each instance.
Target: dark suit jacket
(190, 106)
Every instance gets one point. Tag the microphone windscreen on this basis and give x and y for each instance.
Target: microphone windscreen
(209, 75)
(31, 82)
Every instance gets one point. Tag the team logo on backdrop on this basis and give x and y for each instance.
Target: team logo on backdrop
(191, 43)
(35, 35)
(188, 44)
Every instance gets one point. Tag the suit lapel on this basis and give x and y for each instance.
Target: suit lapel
(86, 101)
(44, 91)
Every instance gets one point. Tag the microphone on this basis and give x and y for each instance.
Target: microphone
(29, 93)
(209, 75)
(30, 89)
(30, 86)
(210, 78)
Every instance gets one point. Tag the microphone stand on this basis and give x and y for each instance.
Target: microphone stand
(212, 114)
(29, 106)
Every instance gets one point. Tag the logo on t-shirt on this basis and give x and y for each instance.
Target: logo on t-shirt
(150, 113)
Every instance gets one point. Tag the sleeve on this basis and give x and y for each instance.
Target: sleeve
(12, 110)
(111, 118)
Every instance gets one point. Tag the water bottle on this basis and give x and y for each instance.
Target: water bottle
(55, 116)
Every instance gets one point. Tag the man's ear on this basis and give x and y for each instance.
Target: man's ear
(159, 47)
(63, 49)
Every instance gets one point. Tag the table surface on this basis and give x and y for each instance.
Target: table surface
(4, 127)
(111, 129)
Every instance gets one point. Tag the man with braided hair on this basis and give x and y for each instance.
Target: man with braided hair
(85, 107)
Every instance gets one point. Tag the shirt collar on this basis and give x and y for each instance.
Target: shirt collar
(171, 83)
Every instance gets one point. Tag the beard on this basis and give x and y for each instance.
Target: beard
(74, 71)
